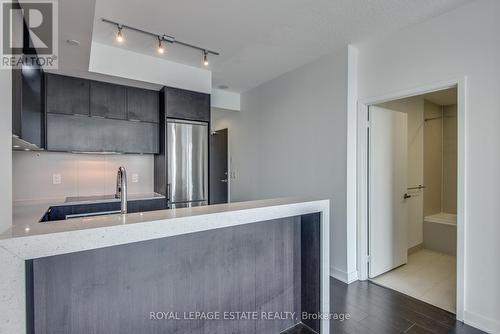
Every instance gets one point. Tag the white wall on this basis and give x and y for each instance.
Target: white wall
(290, 139)
(414, 108)
(461, 43)
(5, 150)
(450, 159)
(223, 99)
(433, 158)
(81, 174)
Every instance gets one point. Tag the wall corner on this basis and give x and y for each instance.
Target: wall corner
(352, 100)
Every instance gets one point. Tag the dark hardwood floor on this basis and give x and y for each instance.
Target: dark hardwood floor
(299, 329)
(374, 309)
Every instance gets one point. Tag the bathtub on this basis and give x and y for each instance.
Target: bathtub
(440, 233)
(442, 218)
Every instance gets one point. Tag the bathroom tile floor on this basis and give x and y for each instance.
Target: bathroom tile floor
(428, 276)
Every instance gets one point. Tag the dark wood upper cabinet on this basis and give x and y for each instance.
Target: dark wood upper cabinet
(67, 95)
(17, 102)
(108, 100)
(69, 133)
(119, 118)
(142, 105)
(179, 104)
(184, 104)
(27, 107)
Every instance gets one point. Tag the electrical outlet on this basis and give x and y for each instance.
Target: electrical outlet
(135, 178)
(56, 179)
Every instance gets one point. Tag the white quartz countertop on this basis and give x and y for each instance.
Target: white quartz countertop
(58, 237)
(24, 213)
(28, 239)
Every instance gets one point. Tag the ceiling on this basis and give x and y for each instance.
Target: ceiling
(76, 19)
(258, 39)
(442, 97)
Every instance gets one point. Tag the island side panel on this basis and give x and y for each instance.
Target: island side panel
(310, 269)
(253, 267)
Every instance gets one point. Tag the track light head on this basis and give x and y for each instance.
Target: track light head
(205, 58)
(119, 35)
(162, 39)
(161, 48)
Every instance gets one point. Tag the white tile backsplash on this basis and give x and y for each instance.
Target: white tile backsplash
(81, 174)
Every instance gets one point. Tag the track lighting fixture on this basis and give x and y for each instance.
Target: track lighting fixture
(162, 39)
(119, 35)
(161, 48)
(205, 57)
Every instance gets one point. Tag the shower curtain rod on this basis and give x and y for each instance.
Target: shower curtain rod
(433, 118)
(439, 117)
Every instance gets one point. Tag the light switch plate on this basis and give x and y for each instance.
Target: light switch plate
(135, 178)
(56, 179)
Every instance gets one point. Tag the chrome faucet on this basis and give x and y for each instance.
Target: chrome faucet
(121, 188)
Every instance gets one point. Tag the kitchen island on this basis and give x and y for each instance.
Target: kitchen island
(119, 273)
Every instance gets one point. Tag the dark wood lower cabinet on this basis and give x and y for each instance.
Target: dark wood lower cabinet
(128, 289)
(72, 133)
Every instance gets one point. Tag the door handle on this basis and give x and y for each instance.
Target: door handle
(406, 196)
(224, 180)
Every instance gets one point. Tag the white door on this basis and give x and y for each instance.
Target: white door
(388, 217)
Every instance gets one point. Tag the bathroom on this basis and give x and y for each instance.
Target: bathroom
(429, 274)
(440, 178)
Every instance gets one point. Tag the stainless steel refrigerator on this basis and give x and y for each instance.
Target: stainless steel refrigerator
(187, 163)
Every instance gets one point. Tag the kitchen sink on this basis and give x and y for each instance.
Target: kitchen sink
(68, 211)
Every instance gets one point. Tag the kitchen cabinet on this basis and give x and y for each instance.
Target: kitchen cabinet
(142, 105)
(184, 104)
(67, 95)
(69, 133)
(177, 104)
(27, 108)
(91, 116)
(108, 100)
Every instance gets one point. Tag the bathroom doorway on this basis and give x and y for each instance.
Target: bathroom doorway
(412, 196)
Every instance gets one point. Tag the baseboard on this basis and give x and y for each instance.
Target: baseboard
(480, 322)
(352, 277)
(415, 249)
(344, 276)
(338, 274)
